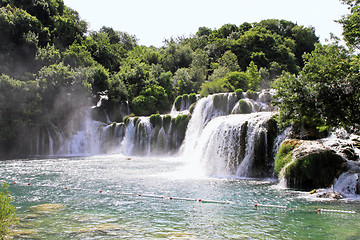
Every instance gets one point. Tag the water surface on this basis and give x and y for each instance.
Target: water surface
(98, 198)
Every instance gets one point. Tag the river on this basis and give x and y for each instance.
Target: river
(98, 197)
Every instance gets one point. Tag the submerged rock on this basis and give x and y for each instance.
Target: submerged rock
(309, 165)
(23, 233)
(47, 208)
(104, 228)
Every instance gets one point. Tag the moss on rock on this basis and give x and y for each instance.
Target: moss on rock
(284, 155)
(244, 107)
(156, 120)
(308, 164)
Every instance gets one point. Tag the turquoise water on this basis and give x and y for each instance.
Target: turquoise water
(117, 212)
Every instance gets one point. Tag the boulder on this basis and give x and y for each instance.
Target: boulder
(309, 165)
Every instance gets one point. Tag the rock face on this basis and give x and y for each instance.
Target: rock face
(308, 164)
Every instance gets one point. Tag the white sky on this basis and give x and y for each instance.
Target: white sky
(154, 21)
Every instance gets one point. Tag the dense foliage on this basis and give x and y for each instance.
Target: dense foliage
(325, 94)
(51, 65)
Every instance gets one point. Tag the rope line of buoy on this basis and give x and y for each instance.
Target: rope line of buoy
(255, 205)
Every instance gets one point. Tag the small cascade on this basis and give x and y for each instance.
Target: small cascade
(85, 141)
(155, 135)
(182, 103)
(137, 137)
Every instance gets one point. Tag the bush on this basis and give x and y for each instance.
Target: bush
(239, 93)
(219, 85)
(238, 79)
(143, 105)
(151, 100)
(252, 94)
(7, 211)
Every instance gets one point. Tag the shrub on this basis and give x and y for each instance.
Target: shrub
(252, 94)
(7, 211)
(239, 93)
(219, 85)
(144, 105)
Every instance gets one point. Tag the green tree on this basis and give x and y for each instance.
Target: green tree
(176, 56)
(61, 86)
(7, 211)
(325, 94)
(68, 28)
(19, 108)
(48, 55)
(230, 61)
(158, 76)
(219, 85)
(77, 55)
(253, 76)
(239, 80)
(350, 24)
(106, 48)
(151, 100)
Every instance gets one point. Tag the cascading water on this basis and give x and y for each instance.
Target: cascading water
(224, 143)
(238, 144)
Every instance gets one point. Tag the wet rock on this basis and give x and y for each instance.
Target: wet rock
(348, 182)
(311, 165)
(350, 154)
(332, 195)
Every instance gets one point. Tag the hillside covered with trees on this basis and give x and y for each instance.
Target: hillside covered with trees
(51, 66)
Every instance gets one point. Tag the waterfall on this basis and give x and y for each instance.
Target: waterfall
(228, 145)
(225, 135)
(236, 144)
(137, 137)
